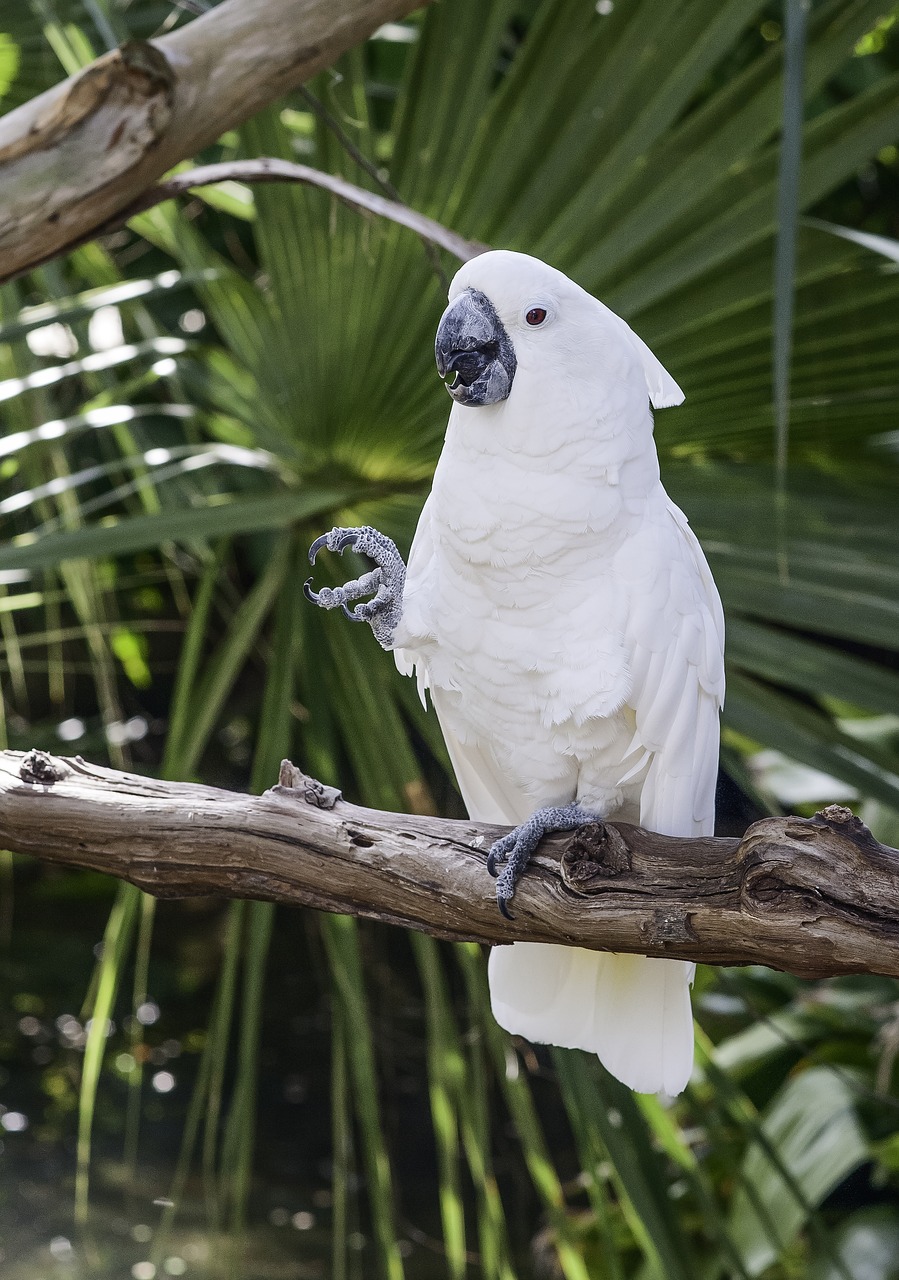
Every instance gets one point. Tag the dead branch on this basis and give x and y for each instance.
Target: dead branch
(76, 156)
(269, 169)
(812, 896)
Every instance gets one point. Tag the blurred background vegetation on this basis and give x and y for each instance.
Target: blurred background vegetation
(213, 1089)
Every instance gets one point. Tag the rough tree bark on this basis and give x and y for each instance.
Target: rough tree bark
(77, 155)
(812, 896)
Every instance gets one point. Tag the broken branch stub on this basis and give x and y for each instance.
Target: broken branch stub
(81, 153)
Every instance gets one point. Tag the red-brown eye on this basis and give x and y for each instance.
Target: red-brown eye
(536, 315)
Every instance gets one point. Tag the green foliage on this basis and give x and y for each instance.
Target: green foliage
(813, 1127)
(868, 1247)
(185, 406)
(9, 62)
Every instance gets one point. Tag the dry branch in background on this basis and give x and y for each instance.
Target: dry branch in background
(76, 156)
(812, 896)
(269, 169)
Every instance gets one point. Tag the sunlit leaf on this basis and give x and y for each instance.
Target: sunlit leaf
(813, 1126)
(9, 62)
(867, 1244)
(136, 533)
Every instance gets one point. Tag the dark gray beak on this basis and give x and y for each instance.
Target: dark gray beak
(474, 351)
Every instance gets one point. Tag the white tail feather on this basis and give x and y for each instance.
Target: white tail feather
(633, 1012)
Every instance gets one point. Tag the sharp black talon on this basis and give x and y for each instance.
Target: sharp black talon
(503, 908)
(308, 592)
(491, 864)
(353, 617)
(348, 538)
(316, 547)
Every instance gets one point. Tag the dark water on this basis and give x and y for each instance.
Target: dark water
(46, 965)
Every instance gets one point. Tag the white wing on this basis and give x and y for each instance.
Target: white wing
(676, 627)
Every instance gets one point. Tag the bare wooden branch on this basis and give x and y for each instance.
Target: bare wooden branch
(815, 896)
(77, 155)
(270, 169)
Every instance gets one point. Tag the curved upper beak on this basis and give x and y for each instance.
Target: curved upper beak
(474, 351)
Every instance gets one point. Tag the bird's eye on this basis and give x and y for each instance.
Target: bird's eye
(536, 316)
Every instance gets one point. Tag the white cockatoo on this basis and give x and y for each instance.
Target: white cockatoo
(562, 615)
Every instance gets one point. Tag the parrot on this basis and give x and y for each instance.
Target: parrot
(561, 614)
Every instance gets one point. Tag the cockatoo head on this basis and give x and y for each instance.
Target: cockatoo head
(512, 320)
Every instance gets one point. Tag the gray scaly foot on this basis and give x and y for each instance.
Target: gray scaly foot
(384, 583)
(516, 848)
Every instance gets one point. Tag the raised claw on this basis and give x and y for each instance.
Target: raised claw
(385, 580)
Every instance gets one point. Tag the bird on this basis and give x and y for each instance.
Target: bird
(560, 613)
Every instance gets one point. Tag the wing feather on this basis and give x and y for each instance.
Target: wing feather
(677, 633)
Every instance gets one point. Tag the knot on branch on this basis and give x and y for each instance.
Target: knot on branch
(670, 926)
(103, 123)
(841, 820)
(137, 75)
(596, 852)
(40, 768)
(292, 781)
(808, 868)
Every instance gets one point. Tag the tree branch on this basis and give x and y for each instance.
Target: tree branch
(812, 896)
(270, 169)
(76, 156)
